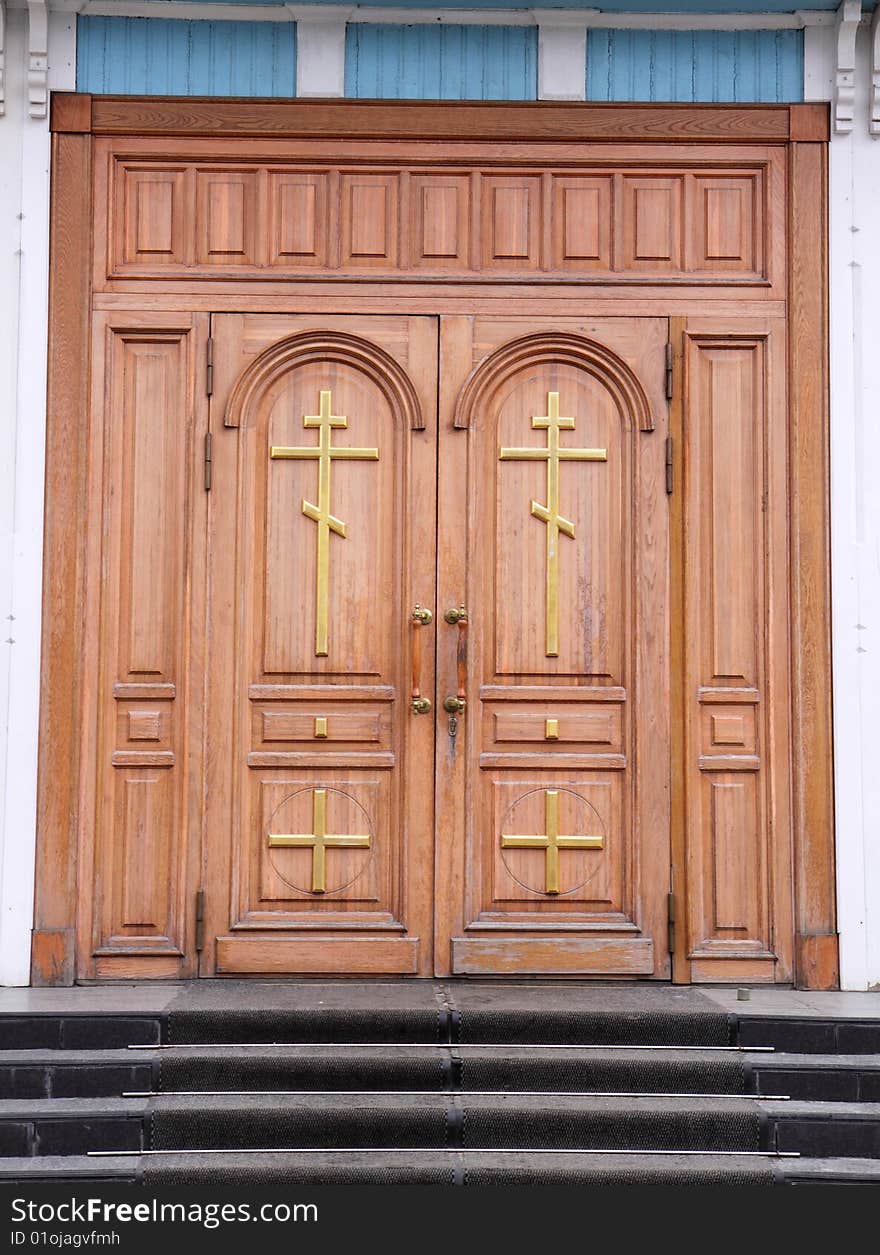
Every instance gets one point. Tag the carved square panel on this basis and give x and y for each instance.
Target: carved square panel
(582, 222)
(370, 217)
(729, 730)
(439, 221)
(227, 217)
(588, 808)
(652, 223)
(511, 222)
(727, 224)
(152, 226)
(297, 218)
(352, 806)
(143, 727)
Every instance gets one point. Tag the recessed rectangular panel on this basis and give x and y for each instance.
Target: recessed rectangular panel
(318, 585)
(439, 215)
(317, 956)
(582, 222)
(737, 870)
(561, 526)
(153, 222)
(732, 485)
(145, 818)
(511, 220)
(152, 476)
(728, 224)
(227, 218)
(593, 728)
(652, 224)
(287, 725)
(297, 218)
(370, 214)
(546, 956)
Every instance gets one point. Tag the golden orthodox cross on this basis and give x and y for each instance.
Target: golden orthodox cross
(551, 842)
(318, 840)
(325, 454)
(549, 514)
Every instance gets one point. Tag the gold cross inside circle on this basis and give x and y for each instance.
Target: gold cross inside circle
(551, 842)
(553, 454)
(319, 839)
(325, 453)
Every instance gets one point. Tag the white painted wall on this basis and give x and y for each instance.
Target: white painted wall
(24, 219)
(854, 273)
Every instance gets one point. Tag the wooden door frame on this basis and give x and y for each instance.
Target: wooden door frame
(76, 119)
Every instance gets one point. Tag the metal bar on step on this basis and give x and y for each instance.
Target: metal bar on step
(440, 1093)
(456, 1150)
(422, 1045)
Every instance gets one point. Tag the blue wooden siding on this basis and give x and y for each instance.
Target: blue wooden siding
(160, 57)
(695, 65)
(433, 62)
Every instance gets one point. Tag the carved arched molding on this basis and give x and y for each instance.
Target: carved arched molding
(325, 346)
(557, 348)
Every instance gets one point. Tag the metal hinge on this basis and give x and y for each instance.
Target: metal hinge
(209, 367)
(670, 450)
(670, 921)
(670, 359)
(200, 920)
(209, 441)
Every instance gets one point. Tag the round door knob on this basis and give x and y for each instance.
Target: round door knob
(455, 705)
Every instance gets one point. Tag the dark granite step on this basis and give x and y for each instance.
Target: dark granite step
(450, 1167)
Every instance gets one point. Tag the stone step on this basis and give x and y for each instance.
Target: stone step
(72, 1031)
(68, 1074)
(505, 1025)
(74, 1126)
(472, 1024)
(817, 1077)
(74, 1073)
(809, 1035)
(436, 1166)
(112, 1073)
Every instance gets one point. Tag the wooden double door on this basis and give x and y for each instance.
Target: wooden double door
(436, 719)
(558, 367)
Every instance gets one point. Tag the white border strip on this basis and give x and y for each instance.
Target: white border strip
(24, 316)
(334, 14)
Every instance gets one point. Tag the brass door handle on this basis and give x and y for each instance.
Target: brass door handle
(421, 617)
(455, 705)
